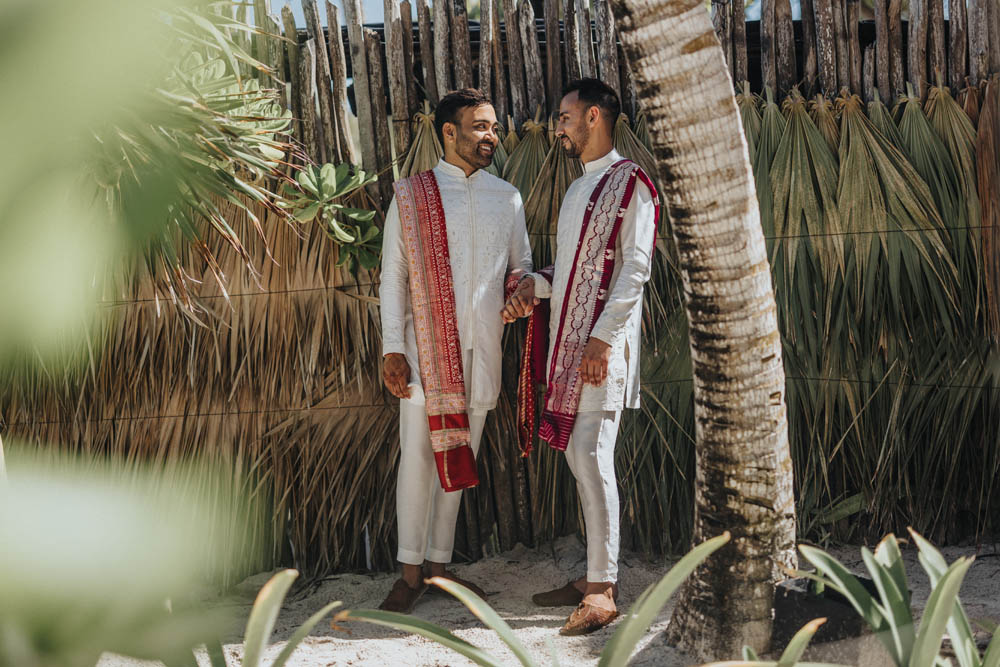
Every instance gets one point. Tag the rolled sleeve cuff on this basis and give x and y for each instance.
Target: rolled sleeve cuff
(603, 333)
(543, 288)
(393, 347)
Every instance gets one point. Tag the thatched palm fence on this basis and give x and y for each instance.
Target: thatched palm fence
(881, 219)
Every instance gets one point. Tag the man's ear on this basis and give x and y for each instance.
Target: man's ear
(593, 116)
(448, 130)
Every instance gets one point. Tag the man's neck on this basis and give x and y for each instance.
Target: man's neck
(455, 160)
(596, 149)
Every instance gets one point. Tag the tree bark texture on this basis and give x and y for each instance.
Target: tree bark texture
(937, 48)
(840, 32)
(427, 51)
(353, 17)
(917, 46)
(958, 62)
(292, 48)
(486, 47)
(722, 20)
(338, 72)
(868, 73)
(380, 115)
(897, 75)
(808, 22)
(400, 107)
(571, 40)
(882, 71)
(586, 38)
(461, 51)
(826, 47)
(784, 54)
(740, 68)
(607, 47)
(854, 44)
(326, 120)
(744, 472)
(312, 133)
(534, 79)
(500, 100)
(553, 53)
(515, 63)
(442, 48)
(406, 22)
(768, 45)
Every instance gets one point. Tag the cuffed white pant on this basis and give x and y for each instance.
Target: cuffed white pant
(425, 513)
(591, 457)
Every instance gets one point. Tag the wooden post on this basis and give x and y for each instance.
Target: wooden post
(534, 78)
(958, 46)
(854, 44)
(427, 51)
(840, 44)
(784, 55)
(261, 47)
(993, 14)
(917, 46)
(515, 62)
(553, 53)
(826, 48)
(330, 148)
(722, 16)
(500, 100)
(571, 30)
(868, 75)
(242, 38)
(406, 22)
(338, 72)
(586, 43)
(292, 49)
(354, 18)
(442, 47)
(460, 47)
(808, 22)
(311, 132)
(607, 47)
(275, 57)
(397, 76)
(897, 75)
(486, 47)
(937, 53)
(768, 64)
(630, 101)
(882, 70)
(376, 78)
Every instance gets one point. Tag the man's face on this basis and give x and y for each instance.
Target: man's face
(573, 130)
(476, 135)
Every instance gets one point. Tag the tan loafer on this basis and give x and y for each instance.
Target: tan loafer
(589, 617)
(402, 598)
(567, 596)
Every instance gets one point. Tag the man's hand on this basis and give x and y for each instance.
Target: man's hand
(396, 374)
(521, 302)
(594, 365)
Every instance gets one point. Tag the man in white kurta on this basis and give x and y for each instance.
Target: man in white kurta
(487, 240)
(610, 366)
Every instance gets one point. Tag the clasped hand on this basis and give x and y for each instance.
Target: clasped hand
(521, 302)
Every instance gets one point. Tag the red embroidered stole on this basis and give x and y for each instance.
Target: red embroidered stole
(432, 295)
(586, 293)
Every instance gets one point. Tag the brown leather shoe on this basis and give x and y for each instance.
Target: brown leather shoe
(402, 598)
(588, 617)
(451, 576)
(567, 596)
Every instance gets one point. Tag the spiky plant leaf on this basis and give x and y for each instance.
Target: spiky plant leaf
(771, 128)
(641, 130)
(824, 116)
(425, 149)
(541, 209)
(525, 162)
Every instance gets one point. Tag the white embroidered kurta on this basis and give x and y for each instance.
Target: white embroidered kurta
(487, 238)
(620, 323)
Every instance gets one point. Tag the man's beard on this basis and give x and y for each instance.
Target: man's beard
(469, 151)
(571, 148)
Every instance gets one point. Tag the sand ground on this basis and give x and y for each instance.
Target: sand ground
(510, 579)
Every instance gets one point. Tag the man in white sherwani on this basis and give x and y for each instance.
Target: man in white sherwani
(604, 246)
(452, 237)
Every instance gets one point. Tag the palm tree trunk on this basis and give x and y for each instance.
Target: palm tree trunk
(744, 472)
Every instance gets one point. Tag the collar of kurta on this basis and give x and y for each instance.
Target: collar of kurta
(601, 162)
(450, 171)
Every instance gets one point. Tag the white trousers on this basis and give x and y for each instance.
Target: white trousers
(425, 513)
(591, 457)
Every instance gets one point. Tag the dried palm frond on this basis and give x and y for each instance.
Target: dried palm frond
(988, 178)
(642, 130)
(772, 126)
(968, 99)
(749, 106)
(512, 139)
(881, 195)
(541, 208)
(425, 150)
(524, 163)
(883, 121)
(824, 117)
(499, 160)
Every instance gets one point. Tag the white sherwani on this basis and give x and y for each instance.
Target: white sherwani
(591, 450)
(484, 217)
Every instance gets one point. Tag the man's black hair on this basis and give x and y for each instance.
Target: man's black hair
(596, 93)
(452, 103)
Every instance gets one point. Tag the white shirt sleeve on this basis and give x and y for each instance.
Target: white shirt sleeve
(519, 256)
(635, 238)
(394, 293)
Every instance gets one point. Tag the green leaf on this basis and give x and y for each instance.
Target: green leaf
(367, 259)
(302, 633)
(216, 655)
(307, 181)
(748, 653)
(264, 614)
(359, 214)
(638, 619)
(340, 233)
(836, 576)
(420, 627)
(936, 614)
(894, 604)
(308, 213)
(797, 646)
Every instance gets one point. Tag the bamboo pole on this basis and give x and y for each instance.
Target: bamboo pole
(460, 47)
(532, 59)
(338, 72)
(607, 47)
(311, 132)
(515, 63)
(917, 46)
(882, 70)
(826, 48)
(330, 149)
(553, 53)
(937, 54)
(292, 49)
(486, 47)
(721, 21)
(406, 22)
(958, 38)
(376, 77)
(354, 17)
(868, 75)
(784, 54)
(571, 41)
(586, 43)
(396, 67)
(840, 44)
(427, 51)
(500, 98)
(808, 23)
(897, 75)
(442, 47)
(854, 44)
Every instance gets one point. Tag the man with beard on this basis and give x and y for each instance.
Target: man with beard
(453, 235)
(604, 247)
